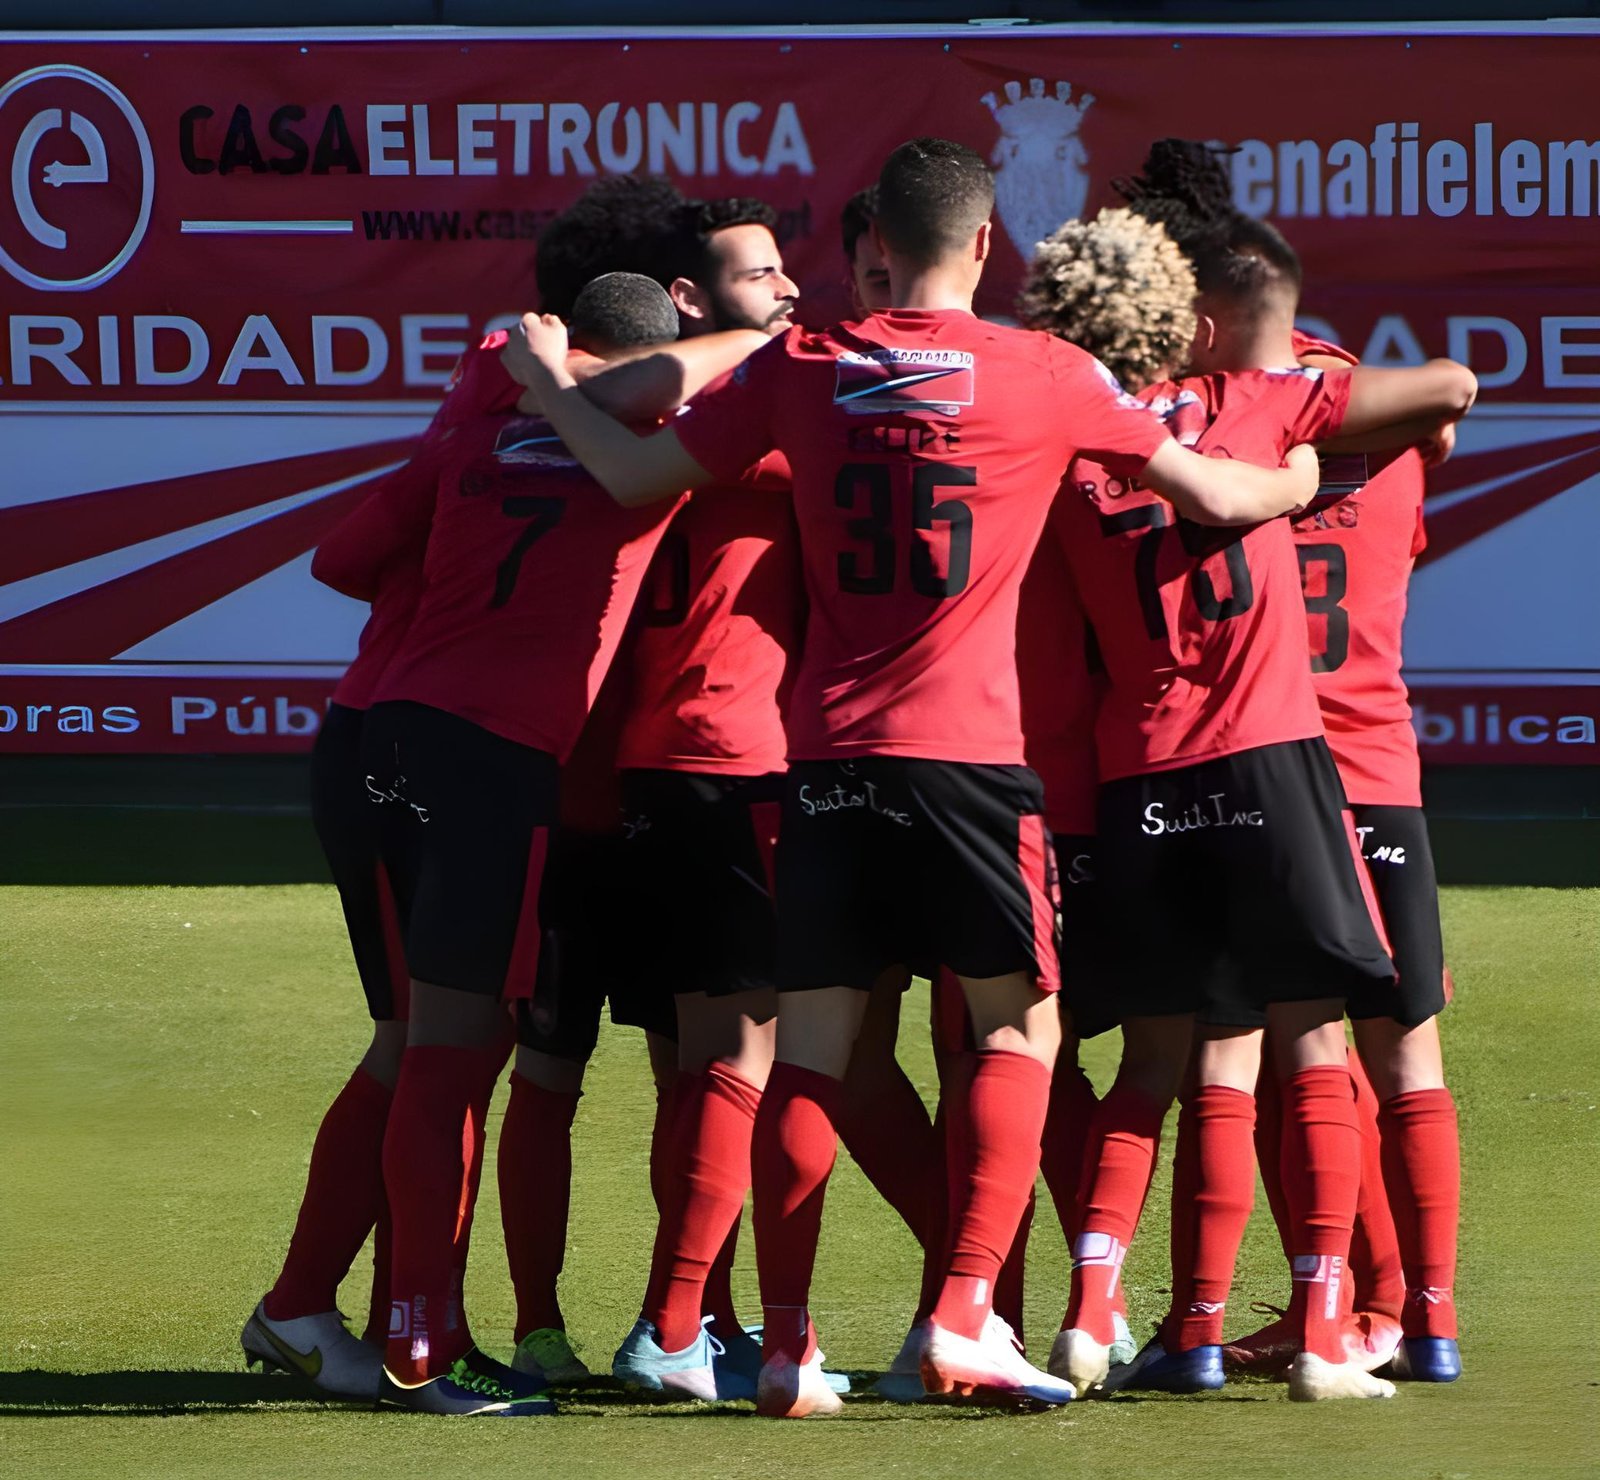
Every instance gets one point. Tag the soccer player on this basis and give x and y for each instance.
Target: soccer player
(1356, 556)
(925, 446)
(1220, 811)
(297, 1326)
(529, 575)
(869, 277)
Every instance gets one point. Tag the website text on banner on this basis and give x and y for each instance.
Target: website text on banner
(237, 274)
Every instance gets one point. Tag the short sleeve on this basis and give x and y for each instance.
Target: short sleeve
(1315, 402)
(728, 427)
(1099, 418)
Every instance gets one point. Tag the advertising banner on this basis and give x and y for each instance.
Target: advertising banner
(236, 271)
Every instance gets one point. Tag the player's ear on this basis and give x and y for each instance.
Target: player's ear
(689, 298)
(1205, 331)
(983, 242)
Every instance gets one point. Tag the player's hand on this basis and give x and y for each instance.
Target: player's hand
(1437, 448)
(545, 337)
(518, 359)
(1301, 461)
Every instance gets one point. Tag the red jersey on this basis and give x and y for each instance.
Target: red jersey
(530, 573)
(393, 581)
(1356, 556)
(1202, 629)
(719, 622)
(1059, 693)
(926, 446)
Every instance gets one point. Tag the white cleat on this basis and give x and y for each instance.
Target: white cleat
(1076, 1357)
(790, 1389)
(989, 1370)
(1311, 1379)
(319, 1348)
(902, 1383)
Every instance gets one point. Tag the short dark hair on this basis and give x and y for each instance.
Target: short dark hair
(623, 223)
(698, 221)
(1187, 189)
(856, 217)
(623, 310)
(932, 196)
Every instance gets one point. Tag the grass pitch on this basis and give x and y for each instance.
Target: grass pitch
(165, 1055)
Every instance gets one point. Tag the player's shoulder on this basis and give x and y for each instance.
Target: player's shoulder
(479, 382)
(1309, 344)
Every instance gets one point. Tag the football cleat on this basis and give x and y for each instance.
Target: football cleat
(991, 1369)
(1156, 1370)
(902, 1383)
(1370, 1339)
(790, 1389)
(738, 1367)
(476, 1385)
(547, 1353)
(319, 1348)
(641, 1364)
(1311, 1380)
(1426, 1359)
(1076, 1357)
(1123, 1347)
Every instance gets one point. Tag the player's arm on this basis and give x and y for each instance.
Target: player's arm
(392, 519)
(645, 382)
(633, 470)
(1396, 408)
(1216, 490)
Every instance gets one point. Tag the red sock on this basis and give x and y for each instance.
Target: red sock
(999, 1160)
(1321, 1176)
(1066, 1133)
(1219, 1190)
(1119, 1162)
(1010, 1284)
(885, 1128)
(1376, 1281)
(792, 1154)
(343, 1197)
(535, 1197)
(1269, 1154)
(435, 1136)
(666, 1149)
(936, 1246)
(716, 1126)
(717, 1302)
(377, 1331)
(1422, 1167)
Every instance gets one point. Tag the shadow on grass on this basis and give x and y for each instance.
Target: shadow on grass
(36, 1394)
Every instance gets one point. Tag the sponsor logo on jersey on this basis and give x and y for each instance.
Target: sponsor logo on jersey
(886, 381)
(1041, 166)
(526, 441)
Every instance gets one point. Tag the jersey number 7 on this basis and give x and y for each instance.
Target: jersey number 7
(1156, 520)
(543, 513)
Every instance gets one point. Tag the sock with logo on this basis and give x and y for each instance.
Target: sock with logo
(1066, 1134)
(343, 1197)
(433, 1144)
(1377, 1282)
(1422, 1166)
(886, 1130)
(792, 1154)
(1119, 1162)
(535, 1170)
(993, 1172)
(716, 1126)
(1213, 1190)
(1321, 1178)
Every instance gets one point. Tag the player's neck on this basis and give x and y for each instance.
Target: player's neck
(931, 288)
(1270, 348)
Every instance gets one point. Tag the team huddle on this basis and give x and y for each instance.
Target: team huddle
(733, 671)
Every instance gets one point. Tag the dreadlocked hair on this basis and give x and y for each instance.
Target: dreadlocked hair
(1118, 287)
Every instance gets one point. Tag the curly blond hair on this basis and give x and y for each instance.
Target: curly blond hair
(1118, 287)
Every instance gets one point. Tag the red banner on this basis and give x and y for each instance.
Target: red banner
(237, 271)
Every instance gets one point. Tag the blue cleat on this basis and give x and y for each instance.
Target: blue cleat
(1156, 1370)
(1426, 1359)
(642, 1364)
(476, 1384)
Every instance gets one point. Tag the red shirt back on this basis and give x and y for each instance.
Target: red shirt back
(1201, 629)
(718, 626)
(530, 573)
(926, 447)
(1356, 557)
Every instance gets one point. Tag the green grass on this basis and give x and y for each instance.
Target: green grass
(165, 1055)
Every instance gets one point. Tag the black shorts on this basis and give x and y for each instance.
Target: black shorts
(884, 861)
(465, 816)
(347, 827)
(1399, 862)
(588, 952)
(701, 850)
(1233, 883)
(1086, 984)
